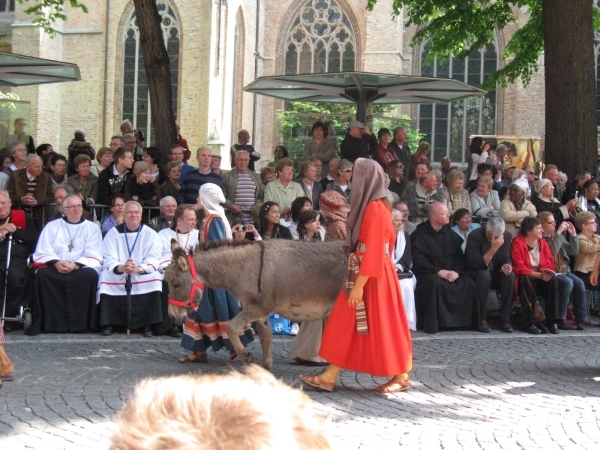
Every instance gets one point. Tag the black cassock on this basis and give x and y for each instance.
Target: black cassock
(439, 303)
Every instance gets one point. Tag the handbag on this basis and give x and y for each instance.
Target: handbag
(536, 308)
(362, 326)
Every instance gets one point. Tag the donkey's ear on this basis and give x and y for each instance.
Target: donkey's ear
(175, 246)
(182, 263)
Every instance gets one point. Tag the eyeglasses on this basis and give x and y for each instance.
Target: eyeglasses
(133, 213)
(590, 223)
(347, 170)
(399, 166)
(73, 207)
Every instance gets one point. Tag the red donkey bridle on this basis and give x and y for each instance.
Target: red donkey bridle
(196, 284)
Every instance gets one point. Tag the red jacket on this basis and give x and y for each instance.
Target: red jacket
(521, 259)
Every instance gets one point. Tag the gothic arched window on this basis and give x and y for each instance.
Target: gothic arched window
(448, 127)
(136, 99)
(320, 40)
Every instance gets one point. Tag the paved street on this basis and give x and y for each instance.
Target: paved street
(469, 390)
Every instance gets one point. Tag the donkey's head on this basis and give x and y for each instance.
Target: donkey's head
(185, 289)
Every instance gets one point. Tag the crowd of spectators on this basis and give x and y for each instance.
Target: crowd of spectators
(530, 236)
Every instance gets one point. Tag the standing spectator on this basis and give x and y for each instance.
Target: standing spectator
(319, 146)
(140, 187)
(43, 149)
(358, 143)
(310, 183)
(215, 165)
(20, 136)
(344, 345)
(279, 153)
(58, 165)
(455, 196)
(478, 150)
(194, 179)
(152, 156)
(17, 152)
(103, 160)
(445, 167)
(575, 188)
(564, 244)
(500, 156)
(171, 186)
(84, 183)
(332, 209)
(133, 250)
(268, 222)
(385, 153)
(484, 200)
(139, 144)
(488, 259)
(242, 189)
(116, 204)
(332, 173)
(112, 179)
(187, 154)
(343, 185)
(31, 188)
(168, 206)
(445, 296)
(70, 248)
(418, 157)
(283, 190)
(516, 207)
(176, 155)
(243, 143)
(534, 266)
(395, 170)
(507, 176)
(79, 146)
(116, 142)
(421, 195)
(401, 148)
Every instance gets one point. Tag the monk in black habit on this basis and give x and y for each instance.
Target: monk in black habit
(445, 296)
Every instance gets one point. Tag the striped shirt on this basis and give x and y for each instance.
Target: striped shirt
(245, 196)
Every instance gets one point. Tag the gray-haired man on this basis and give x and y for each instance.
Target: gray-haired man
(167, 207)
(490, 265)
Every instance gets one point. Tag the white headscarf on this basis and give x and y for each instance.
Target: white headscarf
(211, 196)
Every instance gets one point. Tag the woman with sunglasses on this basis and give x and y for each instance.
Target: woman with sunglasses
(395, 171)
(343, 184)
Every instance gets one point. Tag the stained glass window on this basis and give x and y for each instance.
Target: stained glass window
(321, 40)
(136, 99)
(448, 127)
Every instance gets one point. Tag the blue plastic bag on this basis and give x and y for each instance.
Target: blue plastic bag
(279, 325)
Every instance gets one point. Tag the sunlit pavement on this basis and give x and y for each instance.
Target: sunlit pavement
(469, 390)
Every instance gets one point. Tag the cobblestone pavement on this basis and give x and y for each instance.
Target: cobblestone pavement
(470, 390)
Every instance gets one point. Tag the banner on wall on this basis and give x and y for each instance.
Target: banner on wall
(522, 151)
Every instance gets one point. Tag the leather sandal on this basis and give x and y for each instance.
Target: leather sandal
(317, 382)
(394, 385)
(194, 358)
(9, 375)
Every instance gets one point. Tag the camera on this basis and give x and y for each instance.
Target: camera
(243, 228)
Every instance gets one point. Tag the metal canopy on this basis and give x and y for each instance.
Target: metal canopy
(362, 88)
(19, 70)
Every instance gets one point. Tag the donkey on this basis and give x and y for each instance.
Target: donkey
(298, 280)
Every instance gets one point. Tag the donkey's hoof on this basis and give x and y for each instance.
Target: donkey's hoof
(268, 365)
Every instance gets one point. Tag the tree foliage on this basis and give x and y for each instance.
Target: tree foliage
(458, 27)
(47, 12)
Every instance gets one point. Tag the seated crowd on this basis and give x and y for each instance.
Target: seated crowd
(103, 269)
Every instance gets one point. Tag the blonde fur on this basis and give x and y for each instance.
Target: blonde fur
(248, 411)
